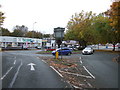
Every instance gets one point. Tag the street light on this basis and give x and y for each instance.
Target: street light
(33, 29)
(59, 34)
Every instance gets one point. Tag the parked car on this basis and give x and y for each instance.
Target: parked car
(73, 48)
(87, 50)
(50, 49)
(63, 51)
(38, 47)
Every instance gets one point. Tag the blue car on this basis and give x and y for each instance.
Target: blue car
(63, 51)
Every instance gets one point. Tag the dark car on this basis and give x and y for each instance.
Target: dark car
(63, 51)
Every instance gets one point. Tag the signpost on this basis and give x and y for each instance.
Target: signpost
(59, 34)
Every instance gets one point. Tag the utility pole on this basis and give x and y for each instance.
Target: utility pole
(33, 29)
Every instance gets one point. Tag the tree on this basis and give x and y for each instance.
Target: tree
(17, 33)
(20, 31)
(1, 17)
(5, 32)
(100, 29)
(114, 17)
(46, 35)
(79, 28)
(87, 28)
(34, 34)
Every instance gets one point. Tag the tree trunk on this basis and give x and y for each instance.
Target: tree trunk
(113, 46)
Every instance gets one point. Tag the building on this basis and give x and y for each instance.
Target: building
(8, 41)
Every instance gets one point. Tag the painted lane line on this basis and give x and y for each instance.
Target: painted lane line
(15, 76)
(80, 58)
(76, 74)
(6, 73)
(14, 62)
(88, 72)
(81, 62)
(89, 84)
(56, 71)
(44, 61)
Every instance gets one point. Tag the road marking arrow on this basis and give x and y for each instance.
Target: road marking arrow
(32, 68)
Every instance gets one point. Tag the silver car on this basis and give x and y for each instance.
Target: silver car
(87, 50)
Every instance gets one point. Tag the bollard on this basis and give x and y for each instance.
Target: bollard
(56, 55)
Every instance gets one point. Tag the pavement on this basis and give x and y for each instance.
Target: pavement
(109, 48)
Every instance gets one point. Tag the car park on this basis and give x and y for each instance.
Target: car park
(87, 50)
(63, 51)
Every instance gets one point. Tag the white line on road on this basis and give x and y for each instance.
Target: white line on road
(80, 58)
(6, 73)
(15, 76)
(88, 72)
(89, 84)
(76, 74)
(56, 71)
(14, 62)
(44, 61)
(81, 62)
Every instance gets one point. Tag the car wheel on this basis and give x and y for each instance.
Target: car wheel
(83, 54)
(69, 54)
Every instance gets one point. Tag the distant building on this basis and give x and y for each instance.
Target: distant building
(7, 41)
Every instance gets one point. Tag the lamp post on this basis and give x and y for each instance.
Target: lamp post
(33, 29)
(59, 34)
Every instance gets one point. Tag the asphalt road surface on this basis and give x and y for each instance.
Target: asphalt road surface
(22, 69)
(18, 72)
(102, 68)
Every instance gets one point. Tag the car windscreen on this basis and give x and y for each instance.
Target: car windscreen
(87, 48)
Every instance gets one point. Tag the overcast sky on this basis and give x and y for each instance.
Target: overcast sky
(48, 14)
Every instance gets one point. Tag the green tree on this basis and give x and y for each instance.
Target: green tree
(34, 34)
(79, 28)
(17, 33)
(20, 31)
(1, 17)
(100, 29)
(114, 17)
(5, 32)
(46, 35)
(88, 28)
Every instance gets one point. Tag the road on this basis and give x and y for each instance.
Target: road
(17, 72)
(102, 68)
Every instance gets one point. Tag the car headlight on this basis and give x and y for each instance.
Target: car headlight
(89, 51)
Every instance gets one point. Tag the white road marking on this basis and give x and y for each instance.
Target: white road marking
(15, 76)
(38, 58)
(44, 61)
(6, 73)
(32, 68)
(80, 58)
(89, 84)
(56, 71)
(88, 72)
(14, 62)
(81, 62)
(76, 74)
